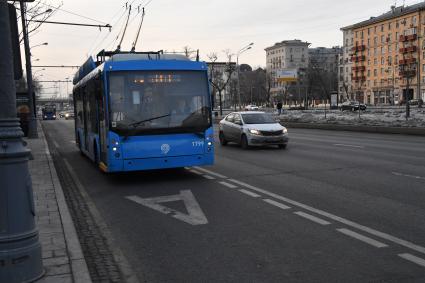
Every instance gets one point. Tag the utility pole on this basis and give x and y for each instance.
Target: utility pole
(32, 122)
(20, 250)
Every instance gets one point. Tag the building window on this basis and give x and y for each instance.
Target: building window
(382, 27)
(397, 24)
(368, 42)
(390, 60)
(382, 50)
(423, 67)
(368, 62)
(382, 61)
(375, 61)
(375, 40)
(382, 71)
(390, 49)
(382, 38)
(414, 20)
(389, 26)
(368, 31)
(375, 72)
(374, 82)
(368, 73)
(375, 51)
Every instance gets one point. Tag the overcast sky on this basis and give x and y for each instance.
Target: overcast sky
(207, 25)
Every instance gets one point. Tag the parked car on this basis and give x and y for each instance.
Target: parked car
(418, 102)
(251, 108)
(352, 106)
(252, 129)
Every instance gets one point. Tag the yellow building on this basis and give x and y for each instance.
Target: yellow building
(388, 56)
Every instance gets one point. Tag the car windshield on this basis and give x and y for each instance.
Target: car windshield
(258, 118)
(159, 101)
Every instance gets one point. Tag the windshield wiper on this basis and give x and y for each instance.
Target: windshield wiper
(135, 124)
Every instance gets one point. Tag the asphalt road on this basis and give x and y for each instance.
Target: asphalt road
(333, 207)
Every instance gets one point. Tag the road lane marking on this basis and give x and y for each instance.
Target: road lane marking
(414, 259)
(407, 175)
(210, 172)
(208, 177)
(55, 144)
(312, 218)
(348, 145)
(72, 142)
(194, 215)
(254, 195)
(228, 185)
(362, 238)
(347, 222)
(277, 204)
(196, 172)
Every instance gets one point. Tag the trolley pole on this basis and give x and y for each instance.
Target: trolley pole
(20, 250)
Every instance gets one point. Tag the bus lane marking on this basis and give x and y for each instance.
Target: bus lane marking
(251, 194)
(210, 172)
(277, 204)
(208, 177)
(414, 259)
(312, 218)
(408, 176)
(228, 185)
(195, 215)
(362, 238)
(336, 218)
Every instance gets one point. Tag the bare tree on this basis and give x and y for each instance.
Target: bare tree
(218, 79)
(39, 11)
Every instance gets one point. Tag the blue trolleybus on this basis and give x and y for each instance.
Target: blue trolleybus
(143, 110)
(48, 112)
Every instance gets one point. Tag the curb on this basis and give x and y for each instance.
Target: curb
(79, 269)
(355, 128)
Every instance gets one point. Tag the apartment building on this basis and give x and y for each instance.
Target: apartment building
(326, 60)
(288, 55)
(345, 87)
(388, 56)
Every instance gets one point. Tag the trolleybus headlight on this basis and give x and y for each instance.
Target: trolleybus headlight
(209, 143)
(114, 148)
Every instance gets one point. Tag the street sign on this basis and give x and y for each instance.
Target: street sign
(194, 215)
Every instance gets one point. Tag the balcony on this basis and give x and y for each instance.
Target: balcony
(358, 68)
(358, 58)
(409, 49)
(358, 48)
(359, 78)
(404, 38)
(407, 61)
(407, 74)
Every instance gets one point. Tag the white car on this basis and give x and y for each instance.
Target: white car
(251, 108)
(252, 129)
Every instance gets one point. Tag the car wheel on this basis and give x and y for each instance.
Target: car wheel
(282, 146)
(244, 142)
(222, 139)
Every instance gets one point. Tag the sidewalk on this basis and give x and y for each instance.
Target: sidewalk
(63, 259)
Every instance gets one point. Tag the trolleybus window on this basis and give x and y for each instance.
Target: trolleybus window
(153, 101)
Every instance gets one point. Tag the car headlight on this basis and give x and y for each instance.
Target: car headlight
(254, 132)
(66, 115)
(285, 130)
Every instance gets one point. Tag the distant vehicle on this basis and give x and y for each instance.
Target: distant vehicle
(48, 112)
(413, 102)
(352, 106)
(252, 129)
(143, 110)
(69, 115)
(251, 108)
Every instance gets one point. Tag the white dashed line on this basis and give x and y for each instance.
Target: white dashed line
(409, 176)
(55, 144)
(362, 238)
(196, 172)
(414, 259)
(312, 218)
(333, 217)
(348, 145)
(254, 195)
(277, 204)
(228, 185)
(208, 177)
(210, 172)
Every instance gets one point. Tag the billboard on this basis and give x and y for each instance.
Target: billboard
(287, 75)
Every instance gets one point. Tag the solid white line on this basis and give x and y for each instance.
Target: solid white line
(277, 204)
(348, 145)
(312, 218)
(208, 177)
(254, 195)
(362, 238)
(228, 185)
(414, 259)
(196, 172)
(407, 175)
(210, 172)
(347, 222)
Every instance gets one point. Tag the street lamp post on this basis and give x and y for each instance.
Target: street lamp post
(242, 50)
(20, 250)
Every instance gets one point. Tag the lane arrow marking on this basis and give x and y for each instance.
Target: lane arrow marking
(195, 216)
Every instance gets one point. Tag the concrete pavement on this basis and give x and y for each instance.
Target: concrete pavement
(63, 259)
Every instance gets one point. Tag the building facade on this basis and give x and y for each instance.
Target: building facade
(388, 56)
(288, 55)
(345, 87)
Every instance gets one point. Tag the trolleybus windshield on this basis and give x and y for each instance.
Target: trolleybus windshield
(159, 102)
